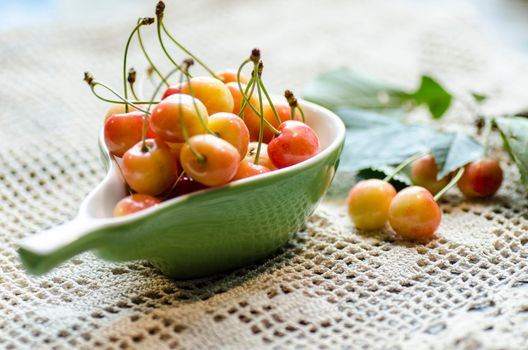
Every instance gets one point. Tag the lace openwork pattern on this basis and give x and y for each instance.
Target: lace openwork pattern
(331, 286)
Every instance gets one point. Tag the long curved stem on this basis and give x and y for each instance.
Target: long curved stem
(184, 49)
(125, 90)
(451, 183)
(165, 49)
(261, 84)
(403, 165)
(127, 102)
(154, 68)
(302, 113)
(261, 126)
(121, 102)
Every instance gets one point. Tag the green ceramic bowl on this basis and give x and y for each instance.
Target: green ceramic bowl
(202, 233)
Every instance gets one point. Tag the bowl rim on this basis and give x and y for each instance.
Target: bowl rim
(334, 144)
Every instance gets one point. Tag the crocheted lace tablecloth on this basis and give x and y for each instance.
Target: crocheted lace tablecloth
(330, 287)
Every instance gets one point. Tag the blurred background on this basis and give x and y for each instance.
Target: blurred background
(50, 120)
(507, 19)
(468, 45)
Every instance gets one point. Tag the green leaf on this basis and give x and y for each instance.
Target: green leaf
(479, 98)
(344, 88)
(374, 141)
(433, 95)
(399, 181)
(514, 132)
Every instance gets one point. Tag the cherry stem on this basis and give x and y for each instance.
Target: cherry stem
(245, 97)
(165, 49)
(174, 185)
(261, 115)
(131, 80)
(294, 104)
(250, 84)
(487, 134)
(403, 165)
(255, 58)
(261, 85)
(93, 83)
(121, 102)
(299, 108)
(200, 157)
(184, 49)
(250, 89)
(140, 22)
(189, 62)
(451, 183)
(152, 66)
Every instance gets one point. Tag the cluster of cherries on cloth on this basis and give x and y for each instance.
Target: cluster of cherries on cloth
(205, 131)
(413, 213)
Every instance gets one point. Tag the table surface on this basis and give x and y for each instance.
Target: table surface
(331, 286)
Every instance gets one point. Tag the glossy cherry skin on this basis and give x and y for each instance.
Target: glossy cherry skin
(230, 127)
(263, 156)
(424, 172)
(185, 185)
(248, 169)
(134, 203)
(165, 119)
(230, 76)
(368, 203)
(237, 101)
(151, 172)
(175, 148)
(414, 214)
(171, 90)
(117, 108)
(284, 112)
(296, 142)
(212, 93)
(481, 179)
(122, 131)
(220, 164)
(253, 121)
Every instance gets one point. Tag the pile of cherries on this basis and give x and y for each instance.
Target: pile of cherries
(413, 213)
(205, 131)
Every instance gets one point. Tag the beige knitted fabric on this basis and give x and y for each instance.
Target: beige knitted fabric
(330, 287)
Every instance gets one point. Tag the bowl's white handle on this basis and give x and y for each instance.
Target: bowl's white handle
(45, 250)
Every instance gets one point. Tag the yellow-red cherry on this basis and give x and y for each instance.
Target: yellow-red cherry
(295, 143)
(481, 179)
(152, 170)
(264, 159)
(230, 76)
(134, 203)
(414, 214)
(368, 203)
(249, 169)
(166, 118)
(230, 127)
(253, 121)
(122, 131)
(171, 90)
(424, 173)
(217, 164)
(211, 92)
(117, 108)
